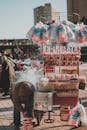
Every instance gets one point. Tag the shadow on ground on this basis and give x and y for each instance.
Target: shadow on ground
(9, 128)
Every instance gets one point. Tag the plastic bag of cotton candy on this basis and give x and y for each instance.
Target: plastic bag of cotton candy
(31, 75)
(83, 116)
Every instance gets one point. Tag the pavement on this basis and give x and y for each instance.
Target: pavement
(6, 116)
(6, 113)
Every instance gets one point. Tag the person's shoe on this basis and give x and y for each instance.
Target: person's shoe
(74, 127)
(80, 124)
(5, 94)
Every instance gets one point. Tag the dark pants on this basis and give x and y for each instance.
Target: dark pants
(5, 82)
(16, 116)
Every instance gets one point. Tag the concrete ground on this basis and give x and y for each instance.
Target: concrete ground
(6, 116)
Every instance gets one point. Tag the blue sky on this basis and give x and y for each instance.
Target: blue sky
(16, 16)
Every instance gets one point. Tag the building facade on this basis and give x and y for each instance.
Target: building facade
(76, 10)
(45, 14)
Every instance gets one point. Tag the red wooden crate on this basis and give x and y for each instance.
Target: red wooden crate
(64, 100)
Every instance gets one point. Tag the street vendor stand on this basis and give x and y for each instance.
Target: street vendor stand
(64, 86)
(60, 84)
(61, 69)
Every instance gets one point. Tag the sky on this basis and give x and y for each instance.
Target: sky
(16, 16)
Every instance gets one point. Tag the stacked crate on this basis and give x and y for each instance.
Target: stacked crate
(66, 93)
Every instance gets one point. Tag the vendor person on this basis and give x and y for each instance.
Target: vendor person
(7, 74)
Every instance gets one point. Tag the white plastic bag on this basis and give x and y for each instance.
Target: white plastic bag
(83, 117)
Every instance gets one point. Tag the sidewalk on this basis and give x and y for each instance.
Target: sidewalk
(6, 116)
(6, 113)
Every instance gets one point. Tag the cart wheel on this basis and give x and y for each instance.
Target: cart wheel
(49, 120)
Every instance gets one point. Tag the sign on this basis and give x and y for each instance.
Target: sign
(43, 101)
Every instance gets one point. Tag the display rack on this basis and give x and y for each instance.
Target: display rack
(62, 73)
(61, 69)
